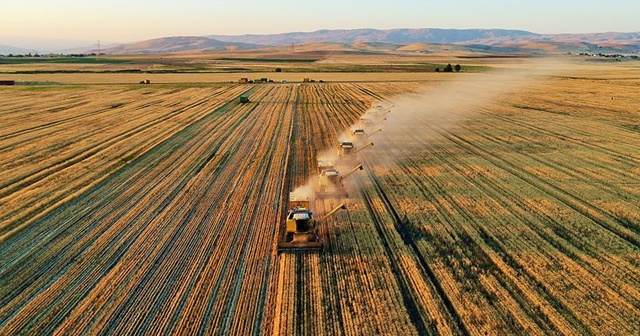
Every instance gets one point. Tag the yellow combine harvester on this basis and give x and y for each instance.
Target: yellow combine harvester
(301, 229)
(330, 183)
(348, 151)
(379, 111)
(360, 135)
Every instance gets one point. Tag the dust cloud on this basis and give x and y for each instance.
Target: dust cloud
(414, 120)
(305, 192)
(417, 119)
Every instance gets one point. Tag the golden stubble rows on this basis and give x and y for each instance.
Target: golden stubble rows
(157, 210)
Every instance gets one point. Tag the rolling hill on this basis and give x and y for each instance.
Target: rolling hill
(177, 44)
(391, 40)
(395, 36)
(490, 40)
(402, 40)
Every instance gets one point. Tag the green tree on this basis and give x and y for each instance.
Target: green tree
(457, 68)
(278, 70)
(448, 68)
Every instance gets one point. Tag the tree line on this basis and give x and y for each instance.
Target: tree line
(450, 68)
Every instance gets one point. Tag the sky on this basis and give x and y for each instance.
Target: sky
(137, 20)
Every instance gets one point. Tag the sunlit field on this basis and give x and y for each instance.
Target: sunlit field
(502, 199)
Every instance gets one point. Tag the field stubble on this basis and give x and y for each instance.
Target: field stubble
(156, 210)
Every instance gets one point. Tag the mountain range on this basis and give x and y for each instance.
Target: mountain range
(488, 40)
(395, 36)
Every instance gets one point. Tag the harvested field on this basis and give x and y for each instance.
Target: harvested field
(213, 78)
(156, 209)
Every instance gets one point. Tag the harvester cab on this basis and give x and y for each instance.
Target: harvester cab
(346, 149)
(359, 132)
(300, 229)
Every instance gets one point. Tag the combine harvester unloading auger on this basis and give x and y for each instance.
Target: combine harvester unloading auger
(301, 229)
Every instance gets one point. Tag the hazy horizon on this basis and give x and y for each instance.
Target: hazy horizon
(129, 21)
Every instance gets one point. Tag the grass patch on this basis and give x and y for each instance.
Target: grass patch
(179, 86)
(36, 83)
(66, 60)
(603, 60)
(465, 68)
(270, 60)
(632, 127)
(53, 86)
(397, 68)
(35, 72)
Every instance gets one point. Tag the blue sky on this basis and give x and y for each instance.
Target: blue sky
(134, 20)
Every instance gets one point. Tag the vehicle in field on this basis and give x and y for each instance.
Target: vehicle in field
(379, 111)
(348, 152)
(359, 132)
(330, 183)
(360, 135)
(300, 232)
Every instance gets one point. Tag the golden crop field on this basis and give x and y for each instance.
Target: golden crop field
(488, 205)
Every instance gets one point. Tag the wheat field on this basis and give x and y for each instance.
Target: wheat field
(149, 209)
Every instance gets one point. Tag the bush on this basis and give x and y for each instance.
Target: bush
(278, 70)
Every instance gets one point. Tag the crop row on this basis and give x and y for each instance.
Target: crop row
(49, 158)
(519, 251)
(157, 210)
(174, 230)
